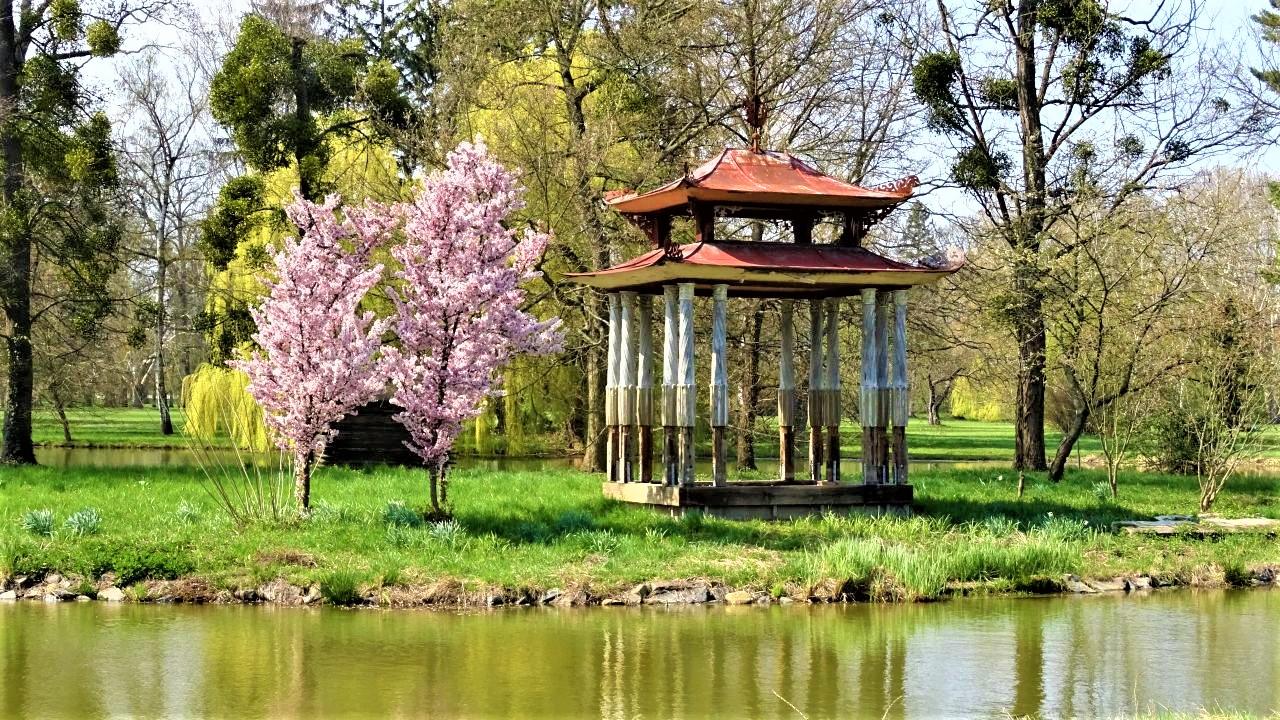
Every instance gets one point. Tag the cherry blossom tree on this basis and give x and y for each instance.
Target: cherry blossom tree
(458, 303)
(317, 356)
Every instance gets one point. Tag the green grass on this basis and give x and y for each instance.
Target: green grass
(541, 530)
(108, 427)
(139, 428)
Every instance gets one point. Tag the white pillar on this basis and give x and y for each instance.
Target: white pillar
(719, 371)
(611, 389)
(786, 392)
(869, 406)
(644, 388)
(670, 381)
(627, 384)
(719, 397)
(686, 392)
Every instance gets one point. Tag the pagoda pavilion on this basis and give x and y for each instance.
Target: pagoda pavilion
(769, 186)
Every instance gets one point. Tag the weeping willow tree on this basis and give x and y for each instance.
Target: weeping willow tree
(215, 397)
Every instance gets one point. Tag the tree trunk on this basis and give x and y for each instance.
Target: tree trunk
(1029, 325)
(302, 112)
(302, 463)
(1029, 331)
(15, 285)
(1078, 423)
(60, 408)
(162, 392)
(749, 394)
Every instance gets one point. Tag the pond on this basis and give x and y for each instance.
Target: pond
(162, 457)
(1096, 656)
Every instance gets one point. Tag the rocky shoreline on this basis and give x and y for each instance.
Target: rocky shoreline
(452, 595)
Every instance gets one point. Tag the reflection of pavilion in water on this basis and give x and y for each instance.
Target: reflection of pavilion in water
(1057, 657)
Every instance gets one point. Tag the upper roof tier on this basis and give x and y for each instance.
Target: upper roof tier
(743, 177)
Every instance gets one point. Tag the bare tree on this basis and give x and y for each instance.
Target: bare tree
(1047, 104)
(169, 164)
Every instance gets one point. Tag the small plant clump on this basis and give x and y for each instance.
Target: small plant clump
(39, 522)
(84, 522)
(397, 514)
(341, 588)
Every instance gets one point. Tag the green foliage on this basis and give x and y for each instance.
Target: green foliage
(979, 170)
(284, 98)
(341, 588)
(81, 523)
(65, 18)
(237, 212)
(400, 515)
(102, 38)
(932, 79)
(1000, 92)
(38, 522)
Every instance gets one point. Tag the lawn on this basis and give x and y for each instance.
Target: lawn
(553, 529)
(139, 428)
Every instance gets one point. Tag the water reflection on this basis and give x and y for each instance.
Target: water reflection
(1062, 657)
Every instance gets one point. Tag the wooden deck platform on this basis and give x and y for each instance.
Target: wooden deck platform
(766, 500)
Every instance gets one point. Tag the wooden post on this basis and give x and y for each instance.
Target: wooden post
(686, 399)
(884, 401)
(817, 378)
(901, 394)
(867, 409)
(611, 391)
(670, 380)
(787, 394)
(644, 389)
(719, 401)
(627, 387)
(832, 390)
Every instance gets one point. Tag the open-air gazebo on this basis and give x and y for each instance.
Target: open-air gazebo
(772, 186)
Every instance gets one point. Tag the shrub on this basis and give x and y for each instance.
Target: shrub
(399, 514)
(448, 532)
(84, 522)
(341, 588)
(38, 522)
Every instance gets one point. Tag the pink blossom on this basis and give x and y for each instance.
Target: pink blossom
(458, 299)
(317, 355)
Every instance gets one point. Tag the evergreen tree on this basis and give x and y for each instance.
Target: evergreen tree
(58, 174)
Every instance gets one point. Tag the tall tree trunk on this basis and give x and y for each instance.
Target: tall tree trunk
(15, 276)
(749, 393)
(935, 404)
(1029, 325)
(304, 149)
(162, 393)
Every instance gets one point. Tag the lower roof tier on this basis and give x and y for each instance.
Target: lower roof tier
(760, 269)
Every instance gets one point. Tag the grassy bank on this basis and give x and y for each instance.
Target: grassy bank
(544, 530)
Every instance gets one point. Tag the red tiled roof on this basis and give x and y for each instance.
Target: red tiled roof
(781, 268)
(768, 178)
